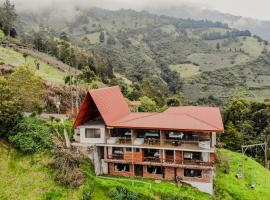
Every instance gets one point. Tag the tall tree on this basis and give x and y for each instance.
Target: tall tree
(27, 88)
(7, 16)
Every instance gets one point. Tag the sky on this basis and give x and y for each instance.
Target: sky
(258, 9)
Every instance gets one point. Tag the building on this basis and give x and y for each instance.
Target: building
(177, 144)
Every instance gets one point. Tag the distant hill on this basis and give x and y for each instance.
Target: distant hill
(209, 61)
(257, 27)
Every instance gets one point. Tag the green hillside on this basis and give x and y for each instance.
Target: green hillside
(30, 177)
(139, 45)
(230, 187)
(15, 59)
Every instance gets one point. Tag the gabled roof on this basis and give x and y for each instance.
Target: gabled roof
(114, 110)
(109, 102)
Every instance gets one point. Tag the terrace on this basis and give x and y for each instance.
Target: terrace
(157, 138)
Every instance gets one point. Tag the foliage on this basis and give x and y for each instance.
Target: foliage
(26, 87)
(9, 108)
(58, 128)
(122, 193)
(245, 122)
(147, 104)
(31, 135)
(87, 194)
(87, 75)
(7, 18)
(67, 165)
(173, 101)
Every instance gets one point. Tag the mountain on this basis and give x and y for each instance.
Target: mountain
(161, 55)
(257, 27)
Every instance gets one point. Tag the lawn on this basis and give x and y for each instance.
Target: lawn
(9, 56)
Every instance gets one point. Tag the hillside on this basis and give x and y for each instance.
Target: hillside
(30, 177)
(258, 27)
(211, 59)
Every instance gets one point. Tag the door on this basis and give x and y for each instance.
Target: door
(138, 170)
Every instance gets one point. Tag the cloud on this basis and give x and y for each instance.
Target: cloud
(248, 8)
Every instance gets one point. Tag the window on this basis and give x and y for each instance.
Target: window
(154, 169)
(136, 150)
(92, 133)
(121, 167)
(128, 149)
(193, 173)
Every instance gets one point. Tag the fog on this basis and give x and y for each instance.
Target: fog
(247, 8)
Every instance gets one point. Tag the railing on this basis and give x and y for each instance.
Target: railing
(197, 162)
(169, 161)
(151, 159)
(152, 141)
(124, 140)
(116, 157)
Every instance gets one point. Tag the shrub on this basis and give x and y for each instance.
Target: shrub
(87, 194)
(122, 193)
(31, 135)
(67, 165)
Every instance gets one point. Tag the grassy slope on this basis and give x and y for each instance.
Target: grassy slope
(9, 56)
(28, 177)
(237, 188)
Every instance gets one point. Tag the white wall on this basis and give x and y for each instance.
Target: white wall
(100, 140)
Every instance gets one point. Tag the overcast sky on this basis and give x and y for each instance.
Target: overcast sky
(249, 8)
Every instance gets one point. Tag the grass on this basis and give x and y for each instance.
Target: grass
(237, 189)
(11, 57)
(27, 177)
(186, 70)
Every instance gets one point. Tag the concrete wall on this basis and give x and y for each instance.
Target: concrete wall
(100, 140)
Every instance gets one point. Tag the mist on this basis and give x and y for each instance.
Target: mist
(254, 9)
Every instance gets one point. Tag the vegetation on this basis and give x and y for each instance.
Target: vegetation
(31, 135)
(229, 187)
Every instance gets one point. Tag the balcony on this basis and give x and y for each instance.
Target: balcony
(119, 140)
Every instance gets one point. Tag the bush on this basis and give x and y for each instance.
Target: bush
(67, 165)
(87, 194)
(122, 193)
(31, 135)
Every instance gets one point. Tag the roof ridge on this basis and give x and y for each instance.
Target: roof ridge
(201, 120)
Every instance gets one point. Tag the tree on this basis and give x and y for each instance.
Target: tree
(7, 16)
(147, 105)
(173, 101)
(10, 108)
(231, 137)
(26, 87)
(101, 37)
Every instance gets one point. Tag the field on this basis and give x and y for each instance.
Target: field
(16, 59)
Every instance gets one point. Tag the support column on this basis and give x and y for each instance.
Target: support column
(162, 137)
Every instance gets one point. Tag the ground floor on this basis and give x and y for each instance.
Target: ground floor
(199, 178)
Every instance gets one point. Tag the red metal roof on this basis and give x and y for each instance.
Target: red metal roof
(115, 113)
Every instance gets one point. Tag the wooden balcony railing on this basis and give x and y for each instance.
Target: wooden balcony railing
(197, 162)
(116, 157)
(124, 140)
